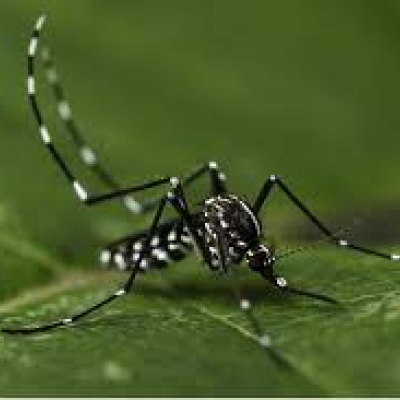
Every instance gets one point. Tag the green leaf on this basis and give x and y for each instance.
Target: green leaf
(195, 340)
(309, 90)
(23, 264)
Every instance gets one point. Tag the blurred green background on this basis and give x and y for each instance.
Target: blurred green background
(309, 90)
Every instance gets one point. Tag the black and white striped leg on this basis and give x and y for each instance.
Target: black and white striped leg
(86, 152)
(274, 180)
(80, 191)
(245, 305)
(177, 235)
(243, 302)
(217, 180)
(173, 242)
(126, 288)
(263, 338)
(175, 199)
(65, 321)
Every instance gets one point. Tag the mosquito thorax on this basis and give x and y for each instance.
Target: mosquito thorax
(261, 259)
(229, 222)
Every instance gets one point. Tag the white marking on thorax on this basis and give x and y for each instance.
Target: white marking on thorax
(253, 217)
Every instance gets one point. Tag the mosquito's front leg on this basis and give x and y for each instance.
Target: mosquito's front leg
(274, 180)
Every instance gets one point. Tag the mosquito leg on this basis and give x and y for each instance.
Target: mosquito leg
(126, 288)
(86, 152)
(217, 180)
(245, 305)
(274, 180)
(175, 198)
(88, 156)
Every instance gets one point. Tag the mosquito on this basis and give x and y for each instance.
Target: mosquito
(223, 229)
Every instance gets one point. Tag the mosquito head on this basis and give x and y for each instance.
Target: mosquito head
(261, 259)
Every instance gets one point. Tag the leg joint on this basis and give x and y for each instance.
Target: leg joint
(212, 165)
(175, 182)
(274, 178)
